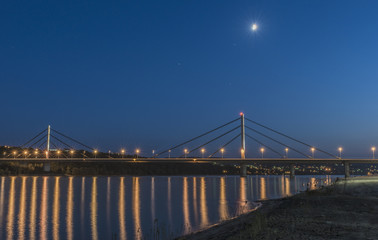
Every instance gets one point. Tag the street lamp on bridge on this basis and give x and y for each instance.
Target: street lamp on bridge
(262, 150)
(287, 152)
(25, 153)
(313, 151)
(202, 151)
(169, 153)
(123, 152)
(95, 153)
(137, 153)
(185, 152)
(222, 151)
(14, 154)
(72, 153)
(340, 150)
(58, 153)
(373, 149)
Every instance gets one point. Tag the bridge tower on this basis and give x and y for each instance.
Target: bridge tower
(243, 167)
(242, 134)
(48, 141)
(46, 165)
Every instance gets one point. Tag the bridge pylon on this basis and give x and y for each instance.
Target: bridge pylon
(48, 141)
(243, 167)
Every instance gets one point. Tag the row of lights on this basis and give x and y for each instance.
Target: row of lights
(186, 151)
(262, 150)
(58, 152)
(137, 151)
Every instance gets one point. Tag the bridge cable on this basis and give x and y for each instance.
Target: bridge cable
(204, 134)
(57, 148)
(42, 144)
(62, 142)
(54, 145)
(225, 145)
(32, 138)
(212, 140)
(282, 134)
(278, 142)
(271, 149)
(72, 139)
(43, 137)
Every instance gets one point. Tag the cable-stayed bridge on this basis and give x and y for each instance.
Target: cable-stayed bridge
(51, 145)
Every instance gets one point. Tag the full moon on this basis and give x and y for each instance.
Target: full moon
(254, 27)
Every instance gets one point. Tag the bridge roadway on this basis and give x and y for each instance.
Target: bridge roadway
(197, 160)
(242, 162)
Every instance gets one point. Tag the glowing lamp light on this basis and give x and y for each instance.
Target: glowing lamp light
(254, 27)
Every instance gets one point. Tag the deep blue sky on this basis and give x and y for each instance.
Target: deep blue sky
(150, 73)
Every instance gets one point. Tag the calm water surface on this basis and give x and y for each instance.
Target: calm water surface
(132, 207)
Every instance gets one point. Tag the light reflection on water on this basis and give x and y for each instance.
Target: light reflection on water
(132, 207)
(56, 209)
(94, 209)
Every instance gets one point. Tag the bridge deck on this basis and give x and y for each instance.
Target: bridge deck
(192, 160)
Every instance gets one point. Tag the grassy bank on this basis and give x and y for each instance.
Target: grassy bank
(346, 210)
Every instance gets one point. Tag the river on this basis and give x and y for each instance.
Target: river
(157, 207)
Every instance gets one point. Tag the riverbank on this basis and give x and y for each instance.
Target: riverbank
(346, 210)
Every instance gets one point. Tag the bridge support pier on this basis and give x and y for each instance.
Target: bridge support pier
(243, 170)
(46, 167)
(292, 171)
(347, 169)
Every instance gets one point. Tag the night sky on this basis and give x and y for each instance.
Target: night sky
(153, 73)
